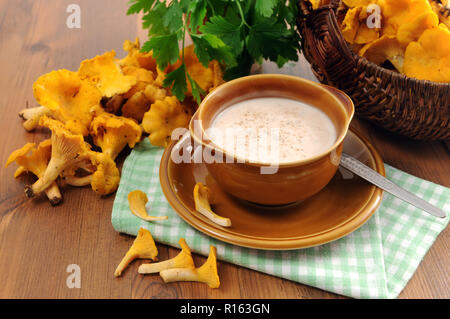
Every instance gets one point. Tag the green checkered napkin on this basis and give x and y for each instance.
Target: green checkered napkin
(375, 261)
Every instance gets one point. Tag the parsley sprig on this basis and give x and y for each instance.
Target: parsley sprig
(236, 33)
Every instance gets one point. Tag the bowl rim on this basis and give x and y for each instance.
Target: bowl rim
(211, 145)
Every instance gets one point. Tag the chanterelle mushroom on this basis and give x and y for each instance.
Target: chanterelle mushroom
(137, 58)
(70, 174)
(154, 93)
(67, 150)
(384, 48)
(207, 273)
(70, 100)
(143, 247)
(105, 179)
(182, 260)
(202, 195)
(143, 77)
(32, 116)
(104, 175)
(104, 72)
(112, 133)
(163, 117)
(136, 106)
(36, 163)
(425, 60)
(137, 200)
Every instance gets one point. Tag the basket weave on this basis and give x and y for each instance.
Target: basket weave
(414, 108)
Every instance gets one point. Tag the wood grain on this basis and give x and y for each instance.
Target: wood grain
(38, 242)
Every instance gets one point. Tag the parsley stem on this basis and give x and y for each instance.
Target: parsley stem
(241, 12)
(184, 38)
(211, 7)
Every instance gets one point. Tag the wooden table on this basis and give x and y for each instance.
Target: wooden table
(38, 242)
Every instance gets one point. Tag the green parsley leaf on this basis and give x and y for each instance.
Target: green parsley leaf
(137, 6)
(153, 21)
(165, 49)
(173, 18)
(197, 8)
(197, 91)
(210, 47)
(270, 31)
(230, 33)
(244, 64)
(265, 7)
(176, 81)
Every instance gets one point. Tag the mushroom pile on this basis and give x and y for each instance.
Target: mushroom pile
(94, 113)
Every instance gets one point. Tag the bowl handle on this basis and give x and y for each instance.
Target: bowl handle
(344, 98)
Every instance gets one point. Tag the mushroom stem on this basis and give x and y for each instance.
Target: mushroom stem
(32, 116)
(54, 167)
(219, 220)
(156, 267)
(179, 274)
(78, 181)
(53, 194)
(114, 152)
(124, 263)
(182, 260)
(29, 113)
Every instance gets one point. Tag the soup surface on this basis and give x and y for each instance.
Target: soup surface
(273, 130)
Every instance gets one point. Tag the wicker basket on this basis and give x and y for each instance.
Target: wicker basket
(414, 108)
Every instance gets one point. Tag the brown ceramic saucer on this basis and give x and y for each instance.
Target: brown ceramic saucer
(344, 205)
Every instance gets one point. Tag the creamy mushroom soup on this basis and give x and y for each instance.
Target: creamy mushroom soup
(273, 130)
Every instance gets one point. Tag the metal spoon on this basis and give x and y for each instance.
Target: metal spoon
(358, 168)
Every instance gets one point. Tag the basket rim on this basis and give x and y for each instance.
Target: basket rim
(397, 75)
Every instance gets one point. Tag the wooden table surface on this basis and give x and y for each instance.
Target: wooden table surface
(38, 242)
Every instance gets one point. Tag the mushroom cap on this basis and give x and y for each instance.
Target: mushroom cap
(23, 151)
(400, 12)
(425, 59)
(68, 98)
(163, 117)
(104, 72)
(137, 58)
(143, 78)
(137, 200)
(38, 160)
(112, 133)
(66, 146)
(410, 32)
(136, 106)
(208, 271)
(105, 179)
(384, 48)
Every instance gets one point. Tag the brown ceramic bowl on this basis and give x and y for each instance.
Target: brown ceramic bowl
(292, 181)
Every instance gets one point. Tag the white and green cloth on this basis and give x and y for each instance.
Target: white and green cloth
(375, 261)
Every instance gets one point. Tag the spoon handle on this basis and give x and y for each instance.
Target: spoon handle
(358, 168)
